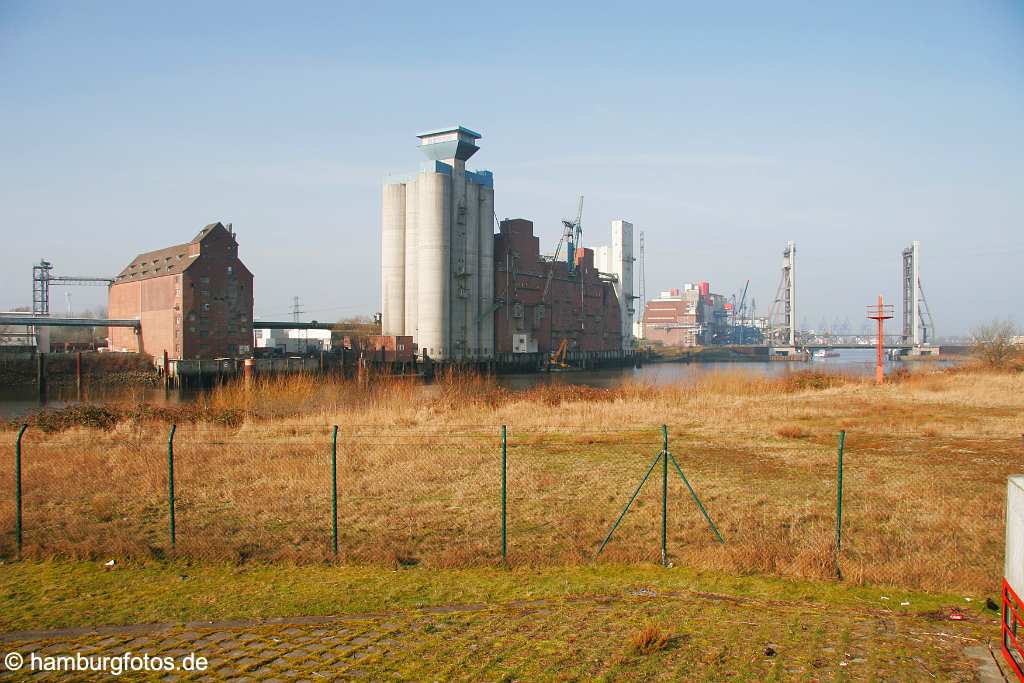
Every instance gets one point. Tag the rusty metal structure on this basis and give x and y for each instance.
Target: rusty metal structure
(880, 312)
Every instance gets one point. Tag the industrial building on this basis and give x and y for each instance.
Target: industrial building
(465, 294)
(194, 300)
(540, 303)
(437, 251)
(291, 342)
(616, 260)
(693, 316)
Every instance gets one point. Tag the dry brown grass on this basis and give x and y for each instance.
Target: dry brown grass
(418, 475)
(649, 639)
(790, 431)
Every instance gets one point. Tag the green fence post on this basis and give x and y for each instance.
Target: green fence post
(17, 486)
(334, 489)
(664, 495)
(839, 501)
(504, 492)
(170, 478)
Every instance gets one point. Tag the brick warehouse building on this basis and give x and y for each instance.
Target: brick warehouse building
(194, 300)
(589, 317)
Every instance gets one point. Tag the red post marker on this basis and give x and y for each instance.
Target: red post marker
(881, 313)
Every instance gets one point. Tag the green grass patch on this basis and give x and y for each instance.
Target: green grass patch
(61, 594)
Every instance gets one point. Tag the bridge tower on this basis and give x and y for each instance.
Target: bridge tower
(782, 316)
(911, 302)
(918, 326)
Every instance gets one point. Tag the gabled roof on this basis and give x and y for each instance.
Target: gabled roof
(202, 234)
(166, 261)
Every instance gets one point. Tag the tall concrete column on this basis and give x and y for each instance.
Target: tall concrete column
(486, 314)
(433, 231)
(392, 269)
(411, 259)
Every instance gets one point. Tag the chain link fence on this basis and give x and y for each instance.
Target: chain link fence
(433, 496)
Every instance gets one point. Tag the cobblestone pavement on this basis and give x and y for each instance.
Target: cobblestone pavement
(709, 637)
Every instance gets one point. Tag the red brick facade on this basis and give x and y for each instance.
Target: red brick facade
(580, 307)
(194, 300)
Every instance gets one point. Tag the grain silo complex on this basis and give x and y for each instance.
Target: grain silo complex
(439, 271)
(437, 252)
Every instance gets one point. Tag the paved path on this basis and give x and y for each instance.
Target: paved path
(710, 637)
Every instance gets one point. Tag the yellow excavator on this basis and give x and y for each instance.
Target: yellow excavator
(558, 356)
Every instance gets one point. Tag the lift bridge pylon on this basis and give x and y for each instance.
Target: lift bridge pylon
(918, 326)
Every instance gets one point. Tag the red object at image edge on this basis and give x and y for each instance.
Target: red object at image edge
(1013, 613)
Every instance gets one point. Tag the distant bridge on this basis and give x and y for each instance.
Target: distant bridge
(814, 347)
(851, 341)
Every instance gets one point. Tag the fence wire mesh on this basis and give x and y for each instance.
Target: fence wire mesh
(422, 495)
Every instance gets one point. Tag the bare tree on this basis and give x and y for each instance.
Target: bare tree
(995, 343)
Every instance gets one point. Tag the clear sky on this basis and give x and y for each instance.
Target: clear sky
(720, 129)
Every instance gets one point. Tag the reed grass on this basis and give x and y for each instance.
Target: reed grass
(419, 479)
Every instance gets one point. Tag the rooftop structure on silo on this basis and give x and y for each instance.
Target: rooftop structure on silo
(452, 146)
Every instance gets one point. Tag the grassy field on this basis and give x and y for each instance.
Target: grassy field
(419, 476)
(610, 622)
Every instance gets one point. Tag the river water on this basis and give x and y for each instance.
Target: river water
(17, 401)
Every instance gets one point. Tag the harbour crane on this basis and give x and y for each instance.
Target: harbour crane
(572, 232)
(738, 310)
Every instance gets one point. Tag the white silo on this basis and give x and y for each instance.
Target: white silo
(617, 260)
(411, 258)
(392, 259)
(485, 320)
(622, 262)
(447, 253)
(433, 236)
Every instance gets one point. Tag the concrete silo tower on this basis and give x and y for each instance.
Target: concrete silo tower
(437, 251)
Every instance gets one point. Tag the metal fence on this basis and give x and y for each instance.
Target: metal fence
(362, 494)
(448, 497)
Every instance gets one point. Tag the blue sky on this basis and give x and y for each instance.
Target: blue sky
(720, 129)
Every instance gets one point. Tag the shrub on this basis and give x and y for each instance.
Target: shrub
(649, 639)
(994, 343)
(790, 431)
